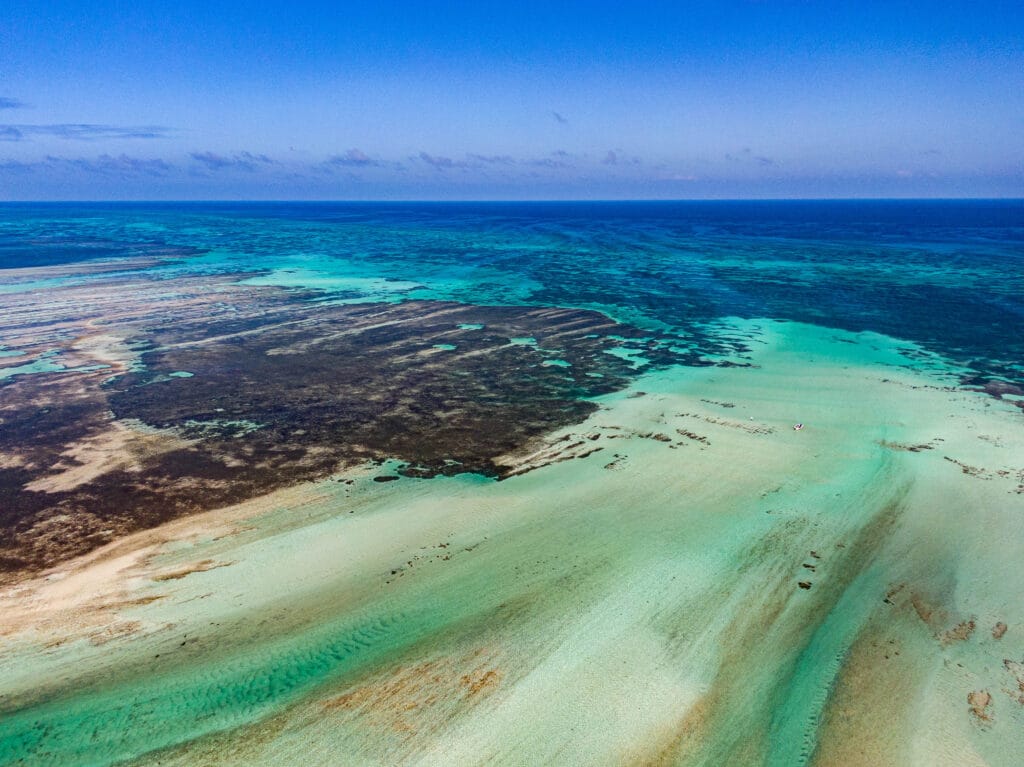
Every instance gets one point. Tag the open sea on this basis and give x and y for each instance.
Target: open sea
(948, 275)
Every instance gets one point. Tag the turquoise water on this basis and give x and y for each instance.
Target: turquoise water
(640, 600)
(945, 275)
(47, 362)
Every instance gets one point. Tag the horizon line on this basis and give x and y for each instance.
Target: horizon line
(469, 201)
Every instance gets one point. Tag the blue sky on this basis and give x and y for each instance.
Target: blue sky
(523, 100)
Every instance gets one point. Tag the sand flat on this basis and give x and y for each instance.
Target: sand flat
(638, 605)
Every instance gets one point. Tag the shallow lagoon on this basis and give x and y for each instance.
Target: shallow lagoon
(709, 587)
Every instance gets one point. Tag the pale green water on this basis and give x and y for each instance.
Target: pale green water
(668, 580)
(638, 606)
(45, 363)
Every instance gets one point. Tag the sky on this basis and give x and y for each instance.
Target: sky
(393, 100)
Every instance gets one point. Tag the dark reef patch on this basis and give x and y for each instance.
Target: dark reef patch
(357, 382)
(287, 391)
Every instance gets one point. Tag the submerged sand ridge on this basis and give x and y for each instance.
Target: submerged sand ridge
(636, 598)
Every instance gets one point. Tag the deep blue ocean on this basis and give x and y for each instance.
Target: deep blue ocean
(947, 275)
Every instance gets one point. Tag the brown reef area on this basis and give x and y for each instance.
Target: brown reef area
(175, 396)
